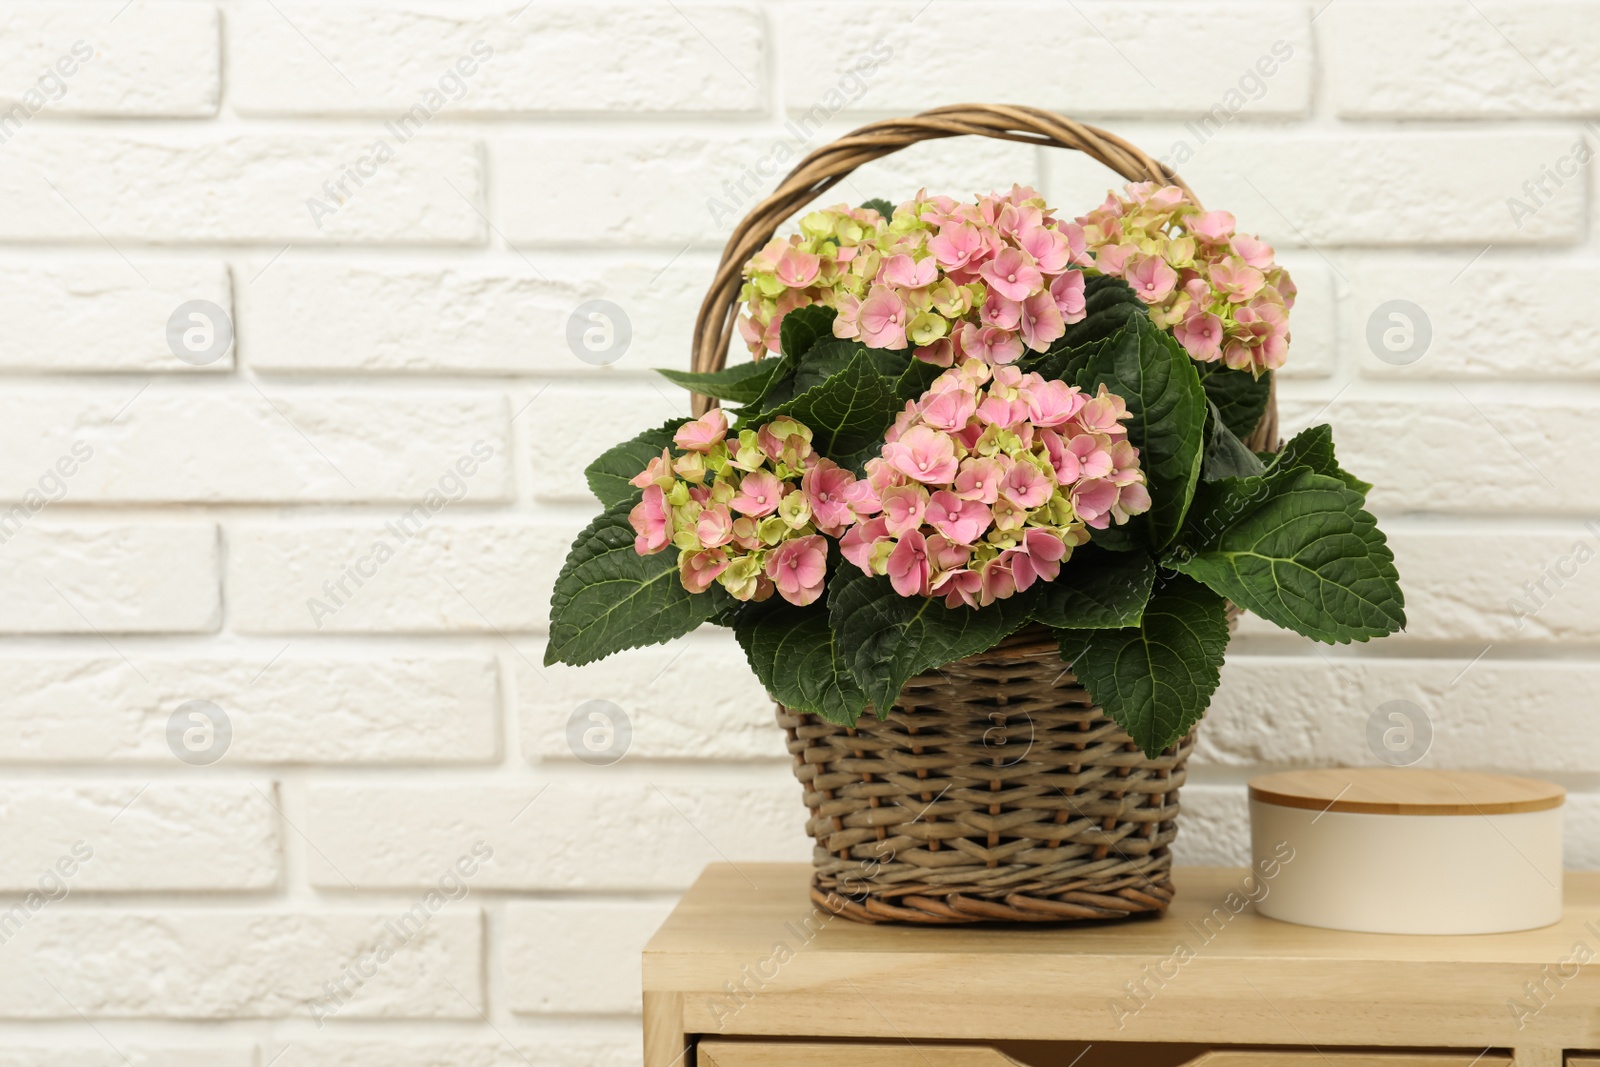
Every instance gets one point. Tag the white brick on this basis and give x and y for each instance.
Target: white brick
(283, 706)
(125, 578)
(595, 420)
(20, 1051)
(672, 713)
(85, 314)
(452, 577)
(112, 58)
(1313, 711)
(371, 58)
(258, 444)
(578, 957)
(1440, 454)
(591, 831)
(1581, 834)
(1338, 188)
(506, 1046)
(494, 317)
(63, 838)
(1500, 317)
(1089, 59)
(1463, 59)
(1213, 827)
(1488, 585)
(240, 964)
(676, 189)
(256, 187)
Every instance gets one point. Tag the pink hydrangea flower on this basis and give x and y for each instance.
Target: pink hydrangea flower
(1152, 280)
(697, 570)
(797, 269)
(651, 522)
(828, 488)
(657, 472)
(704, 433)
(1221, 279)
(798, 567)
(759, 494)
(972, 527)
(924, 454)
(882, 319)
(714, 527)
(907, 565)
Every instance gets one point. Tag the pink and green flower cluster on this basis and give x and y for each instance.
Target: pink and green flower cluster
(988, 481)
(748, 512)
(1218, 291)
(950, 280)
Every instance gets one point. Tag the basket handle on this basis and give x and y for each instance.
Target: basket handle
(822, 169)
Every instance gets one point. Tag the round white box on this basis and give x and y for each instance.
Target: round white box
(1408, 851)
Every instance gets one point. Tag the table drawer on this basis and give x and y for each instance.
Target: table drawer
(718, 1052)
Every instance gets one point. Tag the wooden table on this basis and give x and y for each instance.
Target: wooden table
(746, 972)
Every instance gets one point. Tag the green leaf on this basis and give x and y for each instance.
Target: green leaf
(608, 475)
(1151, 371)
(742, 383)
(888, 638)
(1061, 362)
(1297, 548)
(804, 327)
(881, 206)
(608, 597)
(1313, 447)
(915, 380)
(1226, 456)
(1241, 398)
(1155, 680)
(794, 653)
(847, 413)
(1108, 304)
(823, 361)
(800, 331)
(1097, 589)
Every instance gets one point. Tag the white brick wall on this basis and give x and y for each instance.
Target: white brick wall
(385, 741)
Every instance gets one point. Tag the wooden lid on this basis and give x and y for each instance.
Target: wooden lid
(1405, 791)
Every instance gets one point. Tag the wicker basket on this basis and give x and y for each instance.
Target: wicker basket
(994, 790)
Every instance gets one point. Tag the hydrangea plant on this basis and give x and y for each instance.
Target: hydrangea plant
(969, 417)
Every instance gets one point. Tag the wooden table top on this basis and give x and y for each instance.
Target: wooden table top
(749, 955)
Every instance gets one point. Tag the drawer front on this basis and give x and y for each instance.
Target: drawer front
(852, 1054)
(726, 1053)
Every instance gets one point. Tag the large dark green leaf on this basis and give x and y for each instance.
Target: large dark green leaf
(1148, 369)
(742, 383)
(794, 653)
(1241, 398)
(847, 413)
(1108, 304)
(1096, 589)
(1297, 548)
(1226, 456)
(1059, 361)
(1155, 680)
(1313, 447)
(888, 639)
(800, 331)
(608, 475)
(824, 359)
(804, 327)
(608, 597)
(915, 380)
(881, 206)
